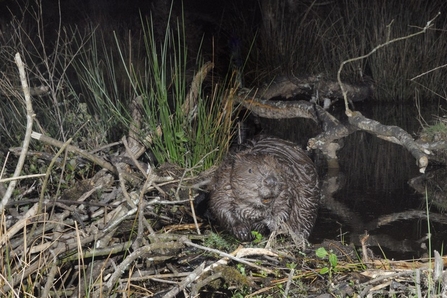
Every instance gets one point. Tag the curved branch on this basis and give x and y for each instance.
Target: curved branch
(29, 128)
(392, 134)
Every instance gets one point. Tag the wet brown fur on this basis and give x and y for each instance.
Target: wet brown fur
(270, 184)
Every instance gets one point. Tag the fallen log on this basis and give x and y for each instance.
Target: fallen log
(315, 86)
(332, 128)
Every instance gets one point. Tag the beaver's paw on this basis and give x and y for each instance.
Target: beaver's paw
(242, 233)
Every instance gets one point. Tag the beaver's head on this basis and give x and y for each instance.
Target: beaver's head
(256, 179)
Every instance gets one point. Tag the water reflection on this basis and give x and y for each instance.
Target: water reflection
(371, 190)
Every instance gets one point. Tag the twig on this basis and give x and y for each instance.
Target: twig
(238, 253)
(289, 282)
(345, 93)
(223, 254)
(51, 277)
(139, 253)
(191, 201)
(100, 252)
(29, 128)
(185, 282)
(99, 161)
(48, 172)
(200, 283)
(125, 214)
(18, 226)
(149, 181)
(104, 147)
(132, 156)
(193, 211)
(196, 166)
(392, 134)
(365, 257)
(22, 177)
(427, 72)
(418, 282)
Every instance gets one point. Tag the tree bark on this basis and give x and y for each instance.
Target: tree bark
(260, 103)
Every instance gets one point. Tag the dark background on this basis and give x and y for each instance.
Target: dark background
(77, 10)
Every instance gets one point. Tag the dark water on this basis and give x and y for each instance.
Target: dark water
(373, 180)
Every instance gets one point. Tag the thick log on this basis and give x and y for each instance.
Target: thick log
(311, 86)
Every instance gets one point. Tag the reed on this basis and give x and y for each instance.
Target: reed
(196, 126)
(189, 127)
(313, 39)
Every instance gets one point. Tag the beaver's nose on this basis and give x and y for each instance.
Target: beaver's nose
(271, 181)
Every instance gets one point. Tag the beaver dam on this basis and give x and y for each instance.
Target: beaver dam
(153, 238)
(126, 225)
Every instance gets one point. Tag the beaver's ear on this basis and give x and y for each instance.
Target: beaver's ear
(240, 155)
(235, 159)
(269, 158)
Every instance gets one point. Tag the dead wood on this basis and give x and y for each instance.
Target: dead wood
(392, 134)
(189, 106)
(405, 215)
(29, 128)
(142, 238)
(82, 219)
(332, 129)
(315, 86)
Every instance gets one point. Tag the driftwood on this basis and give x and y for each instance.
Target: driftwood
(392, 134)
(263, 104)
(315, 86)
(332, 129)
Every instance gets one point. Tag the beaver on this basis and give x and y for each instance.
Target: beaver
(270, 184)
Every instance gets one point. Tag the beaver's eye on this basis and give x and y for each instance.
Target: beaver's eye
(249, 170)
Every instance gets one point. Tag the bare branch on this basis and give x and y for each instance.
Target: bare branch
(345, 93)
(29, 128)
